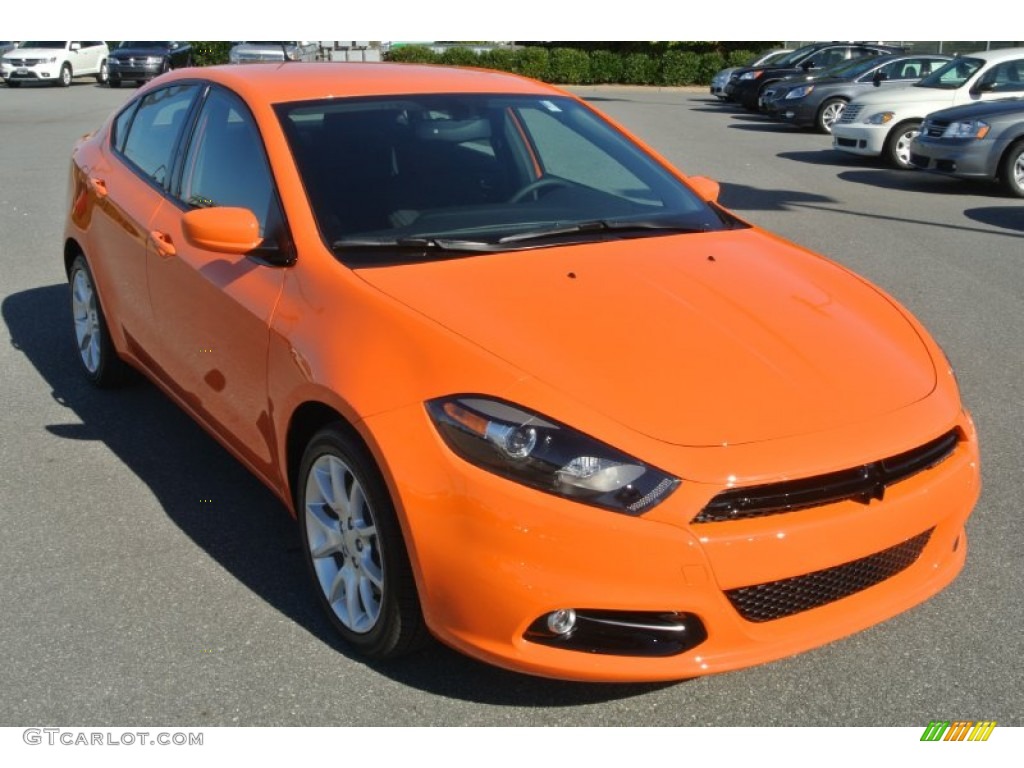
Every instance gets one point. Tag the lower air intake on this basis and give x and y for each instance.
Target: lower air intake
(777, 599)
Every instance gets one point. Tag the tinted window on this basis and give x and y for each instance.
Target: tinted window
(121, 123)
(953, 75)
(154, 132)
(1007, 77)
(226, 164)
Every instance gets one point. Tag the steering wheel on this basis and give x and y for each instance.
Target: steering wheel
(536, 185)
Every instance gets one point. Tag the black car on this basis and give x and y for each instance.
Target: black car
(143, 60)
(819, 103)
(747, 85)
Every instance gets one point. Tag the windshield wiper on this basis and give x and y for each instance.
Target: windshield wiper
(603, 225)
(412, 243)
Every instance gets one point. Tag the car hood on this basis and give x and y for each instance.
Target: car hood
(34, 53)
(704, 339)
(910, 94)
(981, 109)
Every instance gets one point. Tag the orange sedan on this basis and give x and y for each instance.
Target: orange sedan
(523, 385)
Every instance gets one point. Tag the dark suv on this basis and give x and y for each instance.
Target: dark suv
(143, 60)
(747, 84)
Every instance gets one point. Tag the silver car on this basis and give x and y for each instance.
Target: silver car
(252, 52)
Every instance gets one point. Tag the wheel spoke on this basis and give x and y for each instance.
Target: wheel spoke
(322, 477)
(328, 538)
(338, 495)
(352, 598)
(372, 571)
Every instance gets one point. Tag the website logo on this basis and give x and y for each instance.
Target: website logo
(958, 730)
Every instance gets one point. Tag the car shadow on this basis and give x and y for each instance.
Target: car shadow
(827, 156)
(740, 197)
(919, 181)
(245, 529)
(759, 124)
(1005, 217)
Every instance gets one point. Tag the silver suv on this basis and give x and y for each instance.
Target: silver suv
(273, 50)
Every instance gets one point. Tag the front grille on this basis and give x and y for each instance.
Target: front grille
(935, 128)
(860, 484)
(851, 112)
(778, 599)
(24, 62)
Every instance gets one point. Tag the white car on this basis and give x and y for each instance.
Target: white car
(56, 62)
(885, 122)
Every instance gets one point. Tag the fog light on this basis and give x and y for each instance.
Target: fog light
(562, 622)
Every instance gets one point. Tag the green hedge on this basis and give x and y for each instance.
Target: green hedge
(669, 64)
(693, 63)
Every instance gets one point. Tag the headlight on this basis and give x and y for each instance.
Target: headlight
(799, 93)
(880, 118)
(543, 454)
(752, 75)
(967, 129)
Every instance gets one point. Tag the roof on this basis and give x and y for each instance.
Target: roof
(300, 81)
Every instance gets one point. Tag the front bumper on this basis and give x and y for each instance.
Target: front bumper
(860, 138)
(137, 71)
(37, 73)
(794, 112)
(492, 557)
(963, 158)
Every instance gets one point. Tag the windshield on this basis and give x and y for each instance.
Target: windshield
(42, 44)
(765, 60)
(953, 75)
(856, 67)
(479, 172)
(794, 58)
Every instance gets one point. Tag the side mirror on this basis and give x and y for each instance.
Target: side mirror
(879, 78)
(76, 46)
(807, 65)
(225, 230)
(707, 189)
(983, 87)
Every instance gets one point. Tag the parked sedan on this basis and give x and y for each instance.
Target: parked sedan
(975, 141)
(721, 78)
(142, 60)
(522, 383)
(820, 103)
(252, 52)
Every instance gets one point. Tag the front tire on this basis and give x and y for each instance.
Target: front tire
(66, 76)
(897, 145)
(829, 114)
(354, 548)
(114, 82)
(1011, 170)
(96, 353)
(14, 84)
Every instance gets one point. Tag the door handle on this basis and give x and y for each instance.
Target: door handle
(162, 242)
(98, 186)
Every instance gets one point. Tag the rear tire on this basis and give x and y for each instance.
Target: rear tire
(897, 145)
(104, 74)
(96, 353)
(1011, 170)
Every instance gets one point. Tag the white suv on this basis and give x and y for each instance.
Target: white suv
(886, 121)
(55, 62)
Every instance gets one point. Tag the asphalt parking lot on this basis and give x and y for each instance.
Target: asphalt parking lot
(149, 580)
